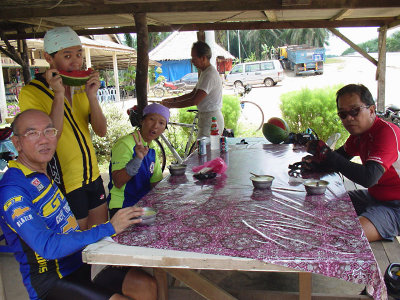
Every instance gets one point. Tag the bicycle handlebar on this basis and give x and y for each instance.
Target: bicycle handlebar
(390, 116)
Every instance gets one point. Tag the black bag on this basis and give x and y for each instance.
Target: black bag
(228, 133)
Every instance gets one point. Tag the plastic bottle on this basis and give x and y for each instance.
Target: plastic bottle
(214, 136)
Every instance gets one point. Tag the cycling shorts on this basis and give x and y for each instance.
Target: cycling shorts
(78, 284)
(86, 198)
(385, 215)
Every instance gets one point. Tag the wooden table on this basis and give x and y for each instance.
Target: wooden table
(225, 224)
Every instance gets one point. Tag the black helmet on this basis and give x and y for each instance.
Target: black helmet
(134, 116)
(247, 88)
(392, 280)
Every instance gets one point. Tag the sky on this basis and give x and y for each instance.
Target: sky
(357, 35)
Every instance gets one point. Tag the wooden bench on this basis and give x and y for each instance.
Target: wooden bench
(386, 252)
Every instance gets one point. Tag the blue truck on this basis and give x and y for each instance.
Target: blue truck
(302, 59)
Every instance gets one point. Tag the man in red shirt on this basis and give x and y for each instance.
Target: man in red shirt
(377, 143)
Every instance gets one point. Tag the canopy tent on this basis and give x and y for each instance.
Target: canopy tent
(174, 54)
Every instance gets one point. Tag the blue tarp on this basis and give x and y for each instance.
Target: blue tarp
(174, 69)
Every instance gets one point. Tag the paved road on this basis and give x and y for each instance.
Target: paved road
(347, 70)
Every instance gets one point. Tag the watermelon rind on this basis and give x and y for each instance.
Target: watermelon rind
(75, 78)
(274, 133)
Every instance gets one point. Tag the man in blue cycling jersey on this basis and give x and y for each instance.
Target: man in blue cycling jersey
(44, 234)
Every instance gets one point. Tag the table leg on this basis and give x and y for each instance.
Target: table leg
(162, 283)
(305, 286)
(199, 284)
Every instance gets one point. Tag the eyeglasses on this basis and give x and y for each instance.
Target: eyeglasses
(352, 112)
(35, 134)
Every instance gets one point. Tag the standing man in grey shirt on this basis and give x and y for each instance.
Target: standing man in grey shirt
(207, 94)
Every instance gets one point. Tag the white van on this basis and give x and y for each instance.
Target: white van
(267, 72)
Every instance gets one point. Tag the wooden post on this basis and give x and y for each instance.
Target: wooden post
(26, 72)
(200, 284)
(381, 69)
(142, 66)
(162, 283)
(3, 102)
(201, 36)
(305, 286)
(88, 58)
(116, 76)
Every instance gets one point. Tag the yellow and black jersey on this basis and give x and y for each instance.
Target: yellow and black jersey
(74, 164)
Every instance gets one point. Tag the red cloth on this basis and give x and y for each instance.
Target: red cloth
(216, 165)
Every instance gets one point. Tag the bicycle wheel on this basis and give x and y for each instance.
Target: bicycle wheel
(251, 117)
(161, 154)
(158, 92)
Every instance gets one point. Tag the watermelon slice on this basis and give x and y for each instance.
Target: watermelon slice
(75, 78)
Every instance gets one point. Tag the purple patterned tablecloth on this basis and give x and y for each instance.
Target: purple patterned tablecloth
(285, 226)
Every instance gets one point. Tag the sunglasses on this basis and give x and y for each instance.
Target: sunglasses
(352, 112)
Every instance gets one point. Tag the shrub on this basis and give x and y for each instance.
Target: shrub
(12, 110)
(161, 78)
(314, 109)
(118, 125)
(230, 111)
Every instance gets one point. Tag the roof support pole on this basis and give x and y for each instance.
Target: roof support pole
(3, 102)
(116, 76)
(88, 58)
(142, 59)
(381, 69)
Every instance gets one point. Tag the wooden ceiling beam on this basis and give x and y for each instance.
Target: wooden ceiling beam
(41, 23)
(225, 26)
(394, 23)
(342, 14)
(271, 15)
(185, 6)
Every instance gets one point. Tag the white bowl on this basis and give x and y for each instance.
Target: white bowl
(177, 169)
(315, 186)
(262, 181)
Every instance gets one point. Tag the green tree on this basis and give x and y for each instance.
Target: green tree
(392, 45)
(255, 42)
(393, 42)
(311, 36)
(130, 40)
(155, 38)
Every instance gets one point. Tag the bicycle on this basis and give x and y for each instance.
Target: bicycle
(391, 114)
(251, 115)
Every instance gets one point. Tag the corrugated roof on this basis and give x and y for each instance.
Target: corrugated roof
(178, 47)
(106, 45)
